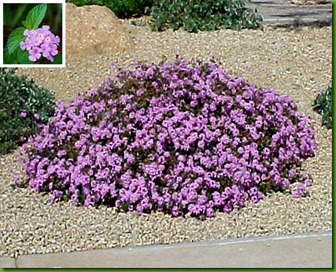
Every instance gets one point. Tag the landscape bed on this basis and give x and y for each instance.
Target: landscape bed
(293, 62)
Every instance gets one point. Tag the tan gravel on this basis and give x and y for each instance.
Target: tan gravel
(295, 62)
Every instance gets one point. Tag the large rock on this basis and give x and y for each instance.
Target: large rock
(94, 30)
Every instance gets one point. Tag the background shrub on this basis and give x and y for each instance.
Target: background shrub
(323, 106)
(191, 15)
(122, 9)
(23, 105)
(194, 15)
(180, 137)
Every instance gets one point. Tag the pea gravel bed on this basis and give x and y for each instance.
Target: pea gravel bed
(295, 62)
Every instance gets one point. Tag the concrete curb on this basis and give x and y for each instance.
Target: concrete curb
(293, 251)
(7, 262)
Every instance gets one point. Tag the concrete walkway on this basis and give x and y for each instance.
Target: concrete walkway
(283, 13)
(296, 251)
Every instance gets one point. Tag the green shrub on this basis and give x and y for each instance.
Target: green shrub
(195, 15)
(86, 2)
(122, 9)
(323, 106)
(23, 105)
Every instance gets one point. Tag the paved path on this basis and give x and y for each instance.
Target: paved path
(297, 251)
(284, 13)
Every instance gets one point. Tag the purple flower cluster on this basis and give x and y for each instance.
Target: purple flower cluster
(180, 137)
(40, 42)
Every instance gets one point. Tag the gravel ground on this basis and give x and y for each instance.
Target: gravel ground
(295, 62)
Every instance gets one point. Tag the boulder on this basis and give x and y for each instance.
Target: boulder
(94, 30)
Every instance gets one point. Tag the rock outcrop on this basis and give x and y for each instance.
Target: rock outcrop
(94, 30)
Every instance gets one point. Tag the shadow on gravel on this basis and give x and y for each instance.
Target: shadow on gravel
(263, 3)
(298, 14)
(298, 24)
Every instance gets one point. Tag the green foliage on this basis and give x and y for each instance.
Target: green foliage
(195, 15)
(323, 106)
(20, 96)
(122, 9)
(86, 2)
(13, 17)
(14, 40)
(35, 16)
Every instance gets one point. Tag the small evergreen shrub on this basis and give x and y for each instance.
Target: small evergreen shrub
(86, 2)
(122, 9)
(23, 106)
(195, 15)
(180, 137)
(130, 8)
(323, 106)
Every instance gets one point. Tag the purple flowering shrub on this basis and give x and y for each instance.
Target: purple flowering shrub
(181, 137)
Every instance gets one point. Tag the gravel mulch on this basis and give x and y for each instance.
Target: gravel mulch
(295, 62)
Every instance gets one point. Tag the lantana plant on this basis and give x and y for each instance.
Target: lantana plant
(30, 43)
(181, 137)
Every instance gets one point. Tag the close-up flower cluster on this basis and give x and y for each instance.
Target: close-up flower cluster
(40, 42)
(181, 137)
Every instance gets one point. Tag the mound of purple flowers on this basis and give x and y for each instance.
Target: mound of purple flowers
(182, 137)
(40, 42)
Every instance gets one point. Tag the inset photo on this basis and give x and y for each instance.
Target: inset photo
(33, 34)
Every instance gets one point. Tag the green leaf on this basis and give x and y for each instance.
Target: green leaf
(58, 59)
(35, 16)
(8, 58)
(27, 25)
(23, 57)
(14, 40)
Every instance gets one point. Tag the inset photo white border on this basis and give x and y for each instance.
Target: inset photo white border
(63, 64)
